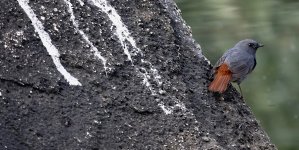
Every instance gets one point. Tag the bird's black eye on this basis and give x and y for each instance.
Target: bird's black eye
(250, 44)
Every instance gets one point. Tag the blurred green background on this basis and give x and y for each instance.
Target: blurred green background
(272, 90)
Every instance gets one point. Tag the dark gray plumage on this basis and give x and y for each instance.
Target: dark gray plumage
(239, 61)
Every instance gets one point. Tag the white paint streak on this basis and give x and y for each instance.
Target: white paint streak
(205, 58)
(0, 94)
(55, 27)
(166, 110)
(181, 106)
(72, 80)
(96, 121)
(169, 109)
(78, 139)
(81, 2)
(154, 72)
(146, 77)
(126, 40)
(46, 40)
(121, 30)
(157, 78)
(93, 48)
(88, 135)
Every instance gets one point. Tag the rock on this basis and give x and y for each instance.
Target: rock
(111, 74)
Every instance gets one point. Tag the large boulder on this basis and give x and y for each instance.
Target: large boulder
(112, 74)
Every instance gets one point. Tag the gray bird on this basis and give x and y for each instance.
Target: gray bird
(235, 64)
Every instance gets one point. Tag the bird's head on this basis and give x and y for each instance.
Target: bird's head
(249, 45)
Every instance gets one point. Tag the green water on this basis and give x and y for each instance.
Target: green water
(272, 90)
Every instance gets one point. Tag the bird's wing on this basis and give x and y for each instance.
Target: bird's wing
(240, 65)
(221, 60)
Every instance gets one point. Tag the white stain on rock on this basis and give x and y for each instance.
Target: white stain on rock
(46, 40)
(121, 31)
(127, 42)
(93, 48)
(81, 2)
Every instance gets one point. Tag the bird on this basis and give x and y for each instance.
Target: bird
(234, 65)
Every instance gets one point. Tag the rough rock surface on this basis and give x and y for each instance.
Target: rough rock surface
(115, 74)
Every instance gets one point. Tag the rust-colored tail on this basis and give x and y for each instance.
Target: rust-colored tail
(221, 80)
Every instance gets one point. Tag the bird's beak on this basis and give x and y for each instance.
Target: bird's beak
(260, 45)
